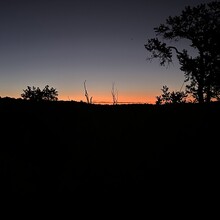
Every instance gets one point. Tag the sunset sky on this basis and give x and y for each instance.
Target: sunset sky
(62, 43)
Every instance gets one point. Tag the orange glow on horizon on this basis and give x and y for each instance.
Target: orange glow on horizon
(102, 99)
(108, 100)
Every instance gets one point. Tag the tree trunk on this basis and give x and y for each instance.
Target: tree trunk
(208, 94)
(201, 81)
(200, 93)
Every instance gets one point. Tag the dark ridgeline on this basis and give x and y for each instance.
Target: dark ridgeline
(67, 146)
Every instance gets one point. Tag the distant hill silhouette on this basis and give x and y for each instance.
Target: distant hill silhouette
(68, 146)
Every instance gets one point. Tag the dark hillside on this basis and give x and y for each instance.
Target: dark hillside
(81, 148)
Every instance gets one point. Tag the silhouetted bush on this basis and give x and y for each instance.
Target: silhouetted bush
(170, 97)
(36, 94)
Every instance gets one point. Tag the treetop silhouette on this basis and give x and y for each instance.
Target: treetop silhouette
(199, 25)
(36, 94)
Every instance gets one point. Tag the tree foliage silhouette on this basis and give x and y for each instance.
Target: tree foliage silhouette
(36, 94)
(200, 26)
(170, 97)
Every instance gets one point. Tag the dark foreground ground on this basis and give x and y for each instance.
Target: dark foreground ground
(128, 149)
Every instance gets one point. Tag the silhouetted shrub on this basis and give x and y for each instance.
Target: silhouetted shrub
(36, 94)
(170, 97)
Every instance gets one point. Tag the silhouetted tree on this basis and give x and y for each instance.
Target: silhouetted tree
(50, 94)
(200, 26)
(170, 97)
(36, 94)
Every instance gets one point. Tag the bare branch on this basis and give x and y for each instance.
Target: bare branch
(89, 100)
(172, 47)
(114, 94)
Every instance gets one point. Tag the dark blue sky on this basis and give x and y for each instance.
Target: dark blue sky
(62, 43)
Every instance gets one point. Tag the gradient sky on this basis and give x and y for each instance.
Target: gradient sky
(62, 43)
